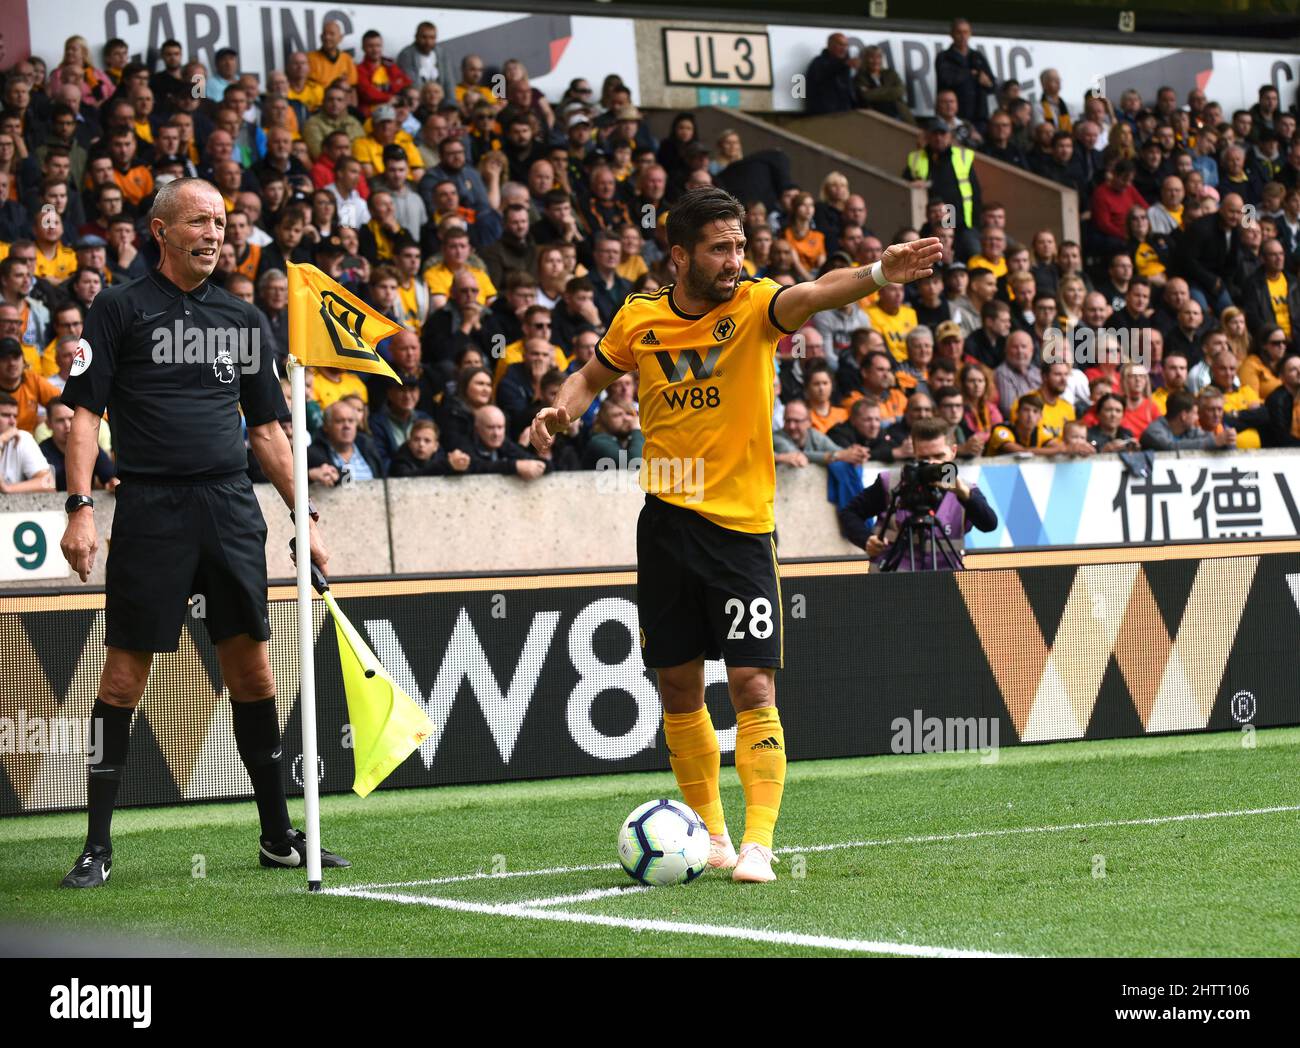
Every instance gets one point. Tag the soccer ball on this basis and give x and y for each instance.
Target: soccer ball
(663, 842)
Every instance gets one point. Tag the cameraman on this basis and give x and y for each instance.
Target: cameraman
(959, 508)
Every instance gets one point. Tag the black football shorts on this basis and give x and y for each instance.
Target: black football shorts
(703, 589)
(171, 542)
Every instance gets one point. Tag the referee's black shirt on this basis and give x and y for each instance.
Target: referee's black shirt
(173, 393)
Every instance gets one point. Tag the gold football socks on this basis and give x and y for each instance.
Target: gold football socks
(696, 761)
(760, 763)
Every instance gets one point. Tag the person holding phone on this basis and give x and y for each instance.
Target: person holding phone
(1110, 434)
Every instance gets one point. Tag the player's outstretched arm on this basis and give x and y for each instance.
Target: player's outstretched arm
(900, 264)
(576, 395)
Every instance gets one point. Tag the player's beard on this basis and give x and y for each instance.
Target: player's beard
(708, 288)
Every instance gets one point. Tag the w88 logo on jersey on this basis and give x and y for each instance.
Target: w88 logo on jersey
(695, 398)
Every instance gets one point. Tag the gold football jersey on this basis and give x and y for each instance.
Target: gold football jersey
(706, 397)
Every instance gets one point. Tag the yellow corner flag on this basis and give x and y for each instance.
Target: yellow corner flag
(330, 327)
(387, 724)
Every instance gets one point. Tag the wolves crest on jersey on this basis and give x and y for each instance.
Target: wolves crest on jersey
(706, 396)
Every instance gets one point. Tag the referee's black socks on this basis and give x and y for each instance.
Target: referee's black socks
(113, 724)
(257, 737)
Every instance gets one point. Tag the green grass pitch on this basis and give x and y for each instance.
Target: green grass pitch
(1067, 849)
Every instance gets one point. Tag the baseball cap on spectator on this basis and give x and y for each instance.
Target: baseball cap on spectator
(948, 329)
(956, 263)
(627, 113)
(10, 347)
(90, 240)
(381, 113)
(939, 125)
(579, 118)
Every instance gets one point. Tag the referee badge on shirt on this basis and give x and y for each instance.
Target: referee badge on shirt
(82, 359)
(224, 368)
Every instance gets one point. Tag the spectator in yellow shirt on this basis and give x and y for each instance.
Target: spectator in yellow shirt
(893, 319)
(536, 325)
(328, 63)
(992, 255)
(471, 90)
(1262, 368)
(66, 322)
(333, 384)
(633, 265)
(55, 261)
(1056, 410)
(301, 87)
(369, 150)
(455, 257)
(1242, 406)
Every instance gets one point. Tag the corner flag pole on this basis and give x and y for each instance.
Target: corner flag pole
(307, 666)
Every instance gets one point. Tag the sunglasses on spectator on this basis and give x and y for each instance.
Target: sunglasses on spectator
(1277, 342)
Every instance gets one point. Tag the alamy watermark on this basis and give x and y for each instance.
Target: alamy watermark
(922, 734)
(661, 475)
(1085, 346)
(222, 348)
(55, 736)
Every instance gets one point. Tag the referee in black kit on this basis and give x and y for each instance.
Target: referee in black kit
(158, 353)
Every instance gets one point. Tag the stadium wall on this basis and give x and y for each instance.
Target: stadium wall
(539, 676)
(559, 45)
(588, 520)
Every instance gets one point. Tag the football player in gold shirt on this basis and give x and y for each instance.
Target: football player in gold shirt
(707, 582)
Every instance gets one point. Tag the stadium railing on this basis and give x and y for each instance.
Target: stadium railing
(1039, 202)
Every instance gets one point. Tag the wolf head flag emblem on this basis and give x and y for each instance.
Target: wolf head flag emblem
(352, 329)
(344, 324)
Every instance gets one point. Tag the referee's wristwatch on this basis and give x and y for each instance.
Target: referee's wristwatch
(75, 502)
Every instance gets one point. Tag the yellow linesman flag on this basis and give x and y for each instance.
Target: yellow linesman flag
(387, 724)
(330, 327)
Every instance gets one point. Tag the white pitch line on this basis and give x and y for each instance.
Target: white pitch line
(720, 931)
(483, 875)
(977, 834)
(936, 838)
(588, 896)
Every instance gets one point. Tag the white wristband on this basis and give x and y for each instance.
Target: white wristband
(878, 274)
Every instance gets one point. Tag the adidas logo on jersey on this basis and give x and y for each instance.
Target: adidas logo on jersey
(769, 743)
(648, 339)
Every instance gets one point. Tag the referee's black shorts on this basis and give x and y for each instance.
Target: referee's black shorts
(703, 589)
(171, 541)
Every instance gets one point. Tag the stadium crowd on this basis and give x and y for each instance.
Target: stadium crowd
(503, 229)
